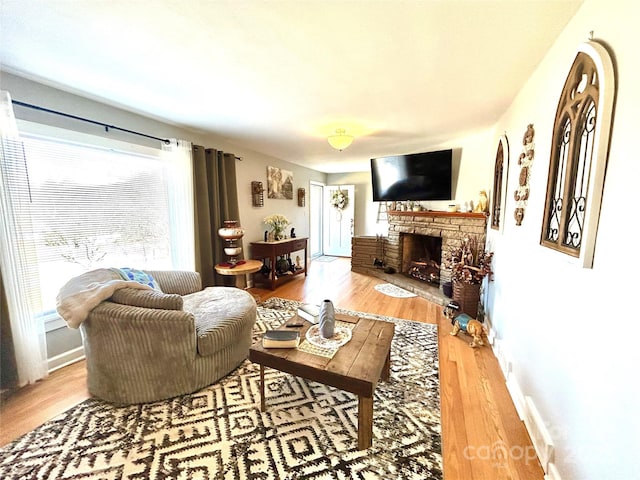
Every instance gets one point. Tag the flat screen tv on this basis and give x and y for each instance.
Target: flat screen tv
(417, 176)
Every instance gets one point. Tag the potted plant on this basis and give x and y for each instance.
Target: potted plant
(468, 269)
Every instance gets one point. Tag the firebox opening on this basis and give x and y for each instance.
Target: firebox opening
(421, 257)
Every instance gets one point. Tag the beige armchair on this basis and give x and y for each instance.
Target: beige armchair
(146, 345)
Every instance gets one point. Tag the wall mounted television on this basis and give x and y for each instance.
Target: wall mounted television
(416, 176)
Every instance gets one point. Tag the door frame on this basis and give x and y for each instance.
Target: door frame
(316, 208)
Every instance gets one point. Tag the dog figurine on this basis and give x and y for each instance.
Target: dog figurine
(464, 322)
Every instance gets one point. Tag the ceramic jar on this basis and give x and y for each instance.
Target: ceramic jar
(327, 320)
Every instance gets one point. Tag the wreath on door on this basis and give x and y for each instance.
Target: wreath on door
(339, 201)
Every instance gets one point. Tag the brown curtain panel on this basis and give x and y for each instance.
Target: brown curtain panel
(216, 200)
(8, 366)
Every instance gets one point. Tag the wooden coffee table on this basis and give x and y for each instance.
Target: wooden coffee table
(356, 367)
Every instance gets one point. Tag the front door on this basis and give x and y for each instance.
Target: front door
(339, 201)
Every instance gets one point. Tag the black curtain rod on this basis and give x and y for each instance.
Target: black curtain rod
(87, 120)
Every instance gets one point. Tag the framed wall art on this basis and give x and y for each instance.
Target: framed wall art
(279, 183)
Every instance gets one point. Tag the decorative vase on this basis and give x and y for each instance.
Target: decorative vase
(231, 230)
(468, 297)
(231, 233)
(278, 234)
(327, 320)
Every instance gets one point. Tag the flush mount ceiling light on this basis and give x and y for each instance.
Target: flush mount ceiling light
(340, 140)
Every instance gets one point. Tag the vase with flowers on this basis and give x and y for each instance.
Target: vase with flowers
(468, 268)
(277, 223)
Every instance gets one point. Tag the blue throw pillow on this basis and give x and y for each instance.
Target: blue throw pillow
(139, 276)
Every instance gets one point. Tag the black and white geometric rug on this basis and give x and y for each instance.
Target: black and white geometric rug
(309, 431)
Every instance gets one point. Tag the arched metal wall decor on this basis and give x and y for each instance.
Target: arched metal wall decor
(579, 151)
(500, 174)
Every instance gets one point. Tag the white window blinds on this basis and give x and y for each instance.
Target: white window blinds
(93, 207)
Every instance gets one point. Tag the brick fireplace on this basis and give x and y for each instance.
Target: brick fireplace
(411, 239)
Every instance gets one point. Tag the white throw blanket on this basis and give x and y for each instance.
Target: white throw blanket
(83, 293)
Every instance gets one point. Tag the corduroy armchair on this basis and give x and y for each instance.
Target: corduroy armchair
(145, 345)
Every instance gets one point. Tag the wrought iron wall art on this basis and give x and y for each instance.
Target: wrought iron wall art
(499, 193)
(579, 151)
(525, 161)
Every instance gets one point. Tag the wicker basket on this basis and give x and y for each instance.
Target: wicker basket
(468, 296)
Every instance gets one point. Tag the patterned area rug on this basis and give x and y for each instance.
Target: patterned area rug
(394, 291)
(308, 431)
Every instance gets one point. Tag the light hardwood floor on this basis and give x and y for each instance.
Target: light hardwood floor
(482, 436)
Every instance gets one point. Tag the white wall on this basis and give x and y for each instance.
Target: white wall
(570, 332)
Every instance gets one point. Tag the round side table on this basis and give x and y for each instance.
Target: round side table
(249, 266)
(246, 268)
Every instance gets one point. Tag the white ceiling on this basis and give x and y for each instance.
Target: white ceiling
(279, 76)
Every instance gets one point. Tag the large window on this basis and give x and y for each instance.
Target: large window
(579, 155)
(92, 207)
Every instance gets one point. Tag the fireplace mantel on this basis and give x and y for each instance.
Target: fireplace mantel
(438, 213)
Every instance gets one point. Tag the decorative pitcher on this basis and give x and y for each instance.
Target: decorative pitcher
(327, 320)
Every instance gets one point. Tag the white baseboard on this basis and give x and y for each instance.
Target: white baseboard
(491, 333)
(552, 472)
(539, 434)
(525, 406)
(64, 359)
(528, 413)
(516, 395)
(503, 357)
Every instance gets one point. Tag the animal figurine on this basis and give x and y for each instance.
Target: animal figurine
(483, 203)
(464, 322)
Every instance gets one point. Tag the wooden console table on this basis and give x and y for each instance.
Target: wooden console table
(271, 250)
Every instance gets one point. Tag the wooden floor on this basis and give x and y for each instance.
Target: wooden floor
(483, 438)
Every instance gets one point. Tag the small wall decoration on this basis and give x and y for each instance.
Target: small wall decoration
(257, 194)
(279, 183)
(301, 197)
(525, 161)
